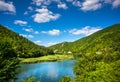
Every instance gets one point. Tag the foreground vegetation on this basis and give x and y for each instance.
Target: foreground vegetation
(98, 56)
(30, 79)
(46, 58)
(8, 61)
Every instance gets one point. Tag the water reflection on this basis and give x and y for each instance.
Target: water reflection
(47, 71)
(52, 71)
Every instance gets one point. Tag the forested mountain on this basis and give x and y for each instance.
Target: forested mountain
(98, 56)
(22, 46)
(100, 41)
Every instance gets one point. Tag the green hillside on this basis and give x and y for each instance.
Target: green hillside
(100, 41)
(24, 47)
(98, 55)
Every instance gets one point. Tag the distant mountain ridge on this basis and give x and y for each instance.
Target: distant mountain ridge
(23, 46)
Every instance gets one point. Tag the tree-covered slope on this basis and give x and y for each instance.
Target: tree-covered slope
(61, 48)
(98, 56)
(23, 46)
(100, 41)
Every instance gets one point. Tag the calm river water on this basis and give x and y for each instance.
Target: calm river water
(47, 71)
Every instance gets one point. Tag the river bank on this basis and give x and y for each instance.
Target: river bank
(46, 58)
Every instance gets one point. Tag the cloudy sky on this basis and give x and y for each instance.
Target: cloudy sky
(47, 22)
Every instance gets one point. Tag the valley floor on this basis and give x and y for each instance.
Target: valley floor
(46, 58)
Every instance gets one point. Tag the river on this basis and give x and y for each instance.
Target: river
(46, 71)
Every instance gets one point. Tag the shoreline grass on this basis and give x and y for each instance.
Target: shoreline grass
(49, 58)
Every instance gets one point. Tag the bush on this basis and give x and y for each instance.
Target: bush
(8, 61)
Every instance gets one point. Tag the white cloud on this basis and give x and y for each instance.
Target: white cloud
(28, 29)
(91, 5)
(27, 36)
(62, 5)
(24, 35)
(38, 2)
(116, 3)
(44, 15)
(30, 36)
(41, 2)
(30, 8)
(44, 3)
(76, 3)
(85, 5)
(88, 30)
(38, 42)
(4, 6)
(53, 32)
(20, 22)
(31, 30)
(36, 32)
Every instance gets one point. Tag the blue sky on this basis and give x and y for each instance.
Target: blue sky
(47, 22)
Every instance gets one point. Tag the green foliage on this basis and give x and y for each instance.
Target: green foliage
(101, 59)
(98, 55)
(48, 58)
(8, 61)
(65, 79)
(23, 47)
(31, 79)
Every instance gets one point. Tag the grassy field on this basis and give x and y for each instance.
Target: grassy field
(47, 58)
